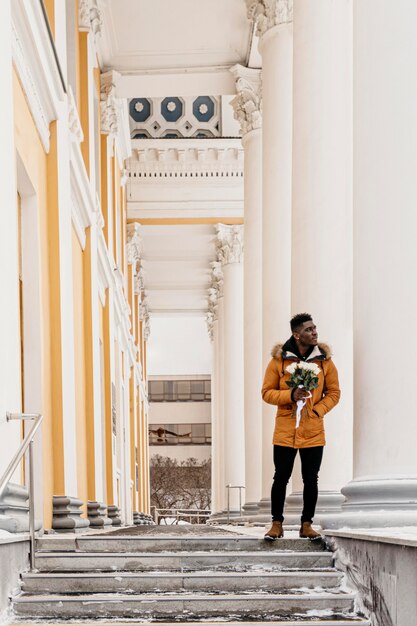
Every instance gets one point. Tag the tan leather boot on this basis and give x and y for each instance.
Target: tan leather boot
(275, 532)
(307, 531)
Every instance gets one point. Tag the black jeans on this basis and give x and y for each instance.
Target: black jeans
(310, 465)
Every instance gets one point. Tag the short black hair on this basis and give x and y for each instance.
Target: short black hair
(299, 319)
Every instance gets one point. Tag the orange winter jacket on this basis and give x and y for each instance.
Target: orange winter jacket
(275, 391)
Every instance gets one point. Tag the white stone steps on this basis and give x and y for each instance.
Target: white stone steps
(185, 606)
(108, 543)
(181, 561)
(128, 582)
(346, 621)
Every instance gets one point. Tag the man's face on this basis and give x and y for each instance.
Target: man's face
(307, 334)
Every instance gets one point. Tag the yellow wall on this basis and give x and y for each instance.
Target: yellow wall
(34, 159)
(80, 368)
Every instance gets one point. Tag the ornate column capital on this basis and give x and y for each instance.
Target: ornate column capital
(229, 243)
(90, 17)
(269, 13)
(109, 106)
(247, 104)
(134, 243)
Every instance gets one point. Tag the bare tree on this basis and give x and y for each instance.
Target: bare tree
(185, 485)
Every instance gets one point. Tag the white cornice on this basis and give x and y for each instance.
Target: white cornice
(181, 82)
(203, 209)
(36, 65)
(188, 158)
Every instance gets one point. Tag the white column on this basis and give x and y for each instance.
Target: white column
(10, 385)
(221, 482)
(230, 253)
(247, 110)
(384, 489)
(322, 209)
(217, 430)
(274, 26)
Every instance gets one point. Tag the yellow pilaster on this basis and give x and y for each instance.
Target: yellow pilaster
(89, 369)
(80, 368)
(108, 402)
(132, 417)
(140, 456)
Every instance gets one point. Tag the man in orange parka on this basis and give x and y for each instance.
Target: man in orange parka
(308, 438)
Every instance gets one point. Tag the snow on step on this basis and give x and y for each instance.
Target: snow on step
(128, 582)
(181, 561)
(153, 544)
(183, 605)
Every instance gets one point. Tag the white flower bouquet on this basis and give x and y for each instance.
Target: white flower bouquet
(303, 376)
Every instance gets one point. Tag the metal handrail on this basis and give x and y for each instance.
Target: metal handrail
(229, 487)
(11, 468)
(178, 514)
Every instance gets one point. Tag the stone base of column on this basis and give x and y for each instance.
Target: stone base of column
(265, 506)
(376, 503)
(328, 503)
(113, 515)
(14, 509)
(66, 515)
(97, 514)
(251, 508)
(142, 519)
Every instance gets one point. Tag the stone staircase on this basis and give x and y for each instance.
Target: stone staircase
(224, 577)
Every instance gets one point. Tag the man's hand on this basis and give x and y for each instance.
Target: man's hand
(299, 394)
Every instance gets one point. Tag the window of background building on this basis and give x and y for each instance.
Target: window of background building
(179, 390)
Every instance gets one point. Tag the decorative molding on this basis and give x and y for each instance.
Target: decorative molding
(247, 104)
(74, 124)
(174, 117)
(269, 13)
(160, 159)
(36, 66)
(229, 244)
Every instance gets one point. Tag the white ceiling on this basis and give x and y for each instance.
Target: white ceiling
(176, 263)
(152, 35)
(176, 48)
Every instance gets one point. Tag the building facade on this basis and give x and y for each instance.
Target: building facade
(241, 162)
(75, 327)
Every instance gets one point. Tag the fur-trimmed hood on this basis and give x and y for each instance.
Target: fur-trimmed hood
(278, 351)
